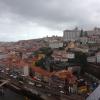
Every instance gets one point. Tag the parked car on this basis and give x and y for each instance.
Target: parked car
(31, 83)
(62, 92)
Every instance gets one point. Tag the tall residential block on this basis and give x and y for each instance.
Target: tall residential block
(71, 35)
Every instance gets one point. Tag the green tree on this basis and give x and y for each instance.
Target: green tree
(85, 33)
(82, 59)
(81, 33)
(46, 50)
(40, 63)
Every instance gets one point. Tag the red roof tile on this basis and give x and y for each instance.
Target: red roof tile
(41, 71)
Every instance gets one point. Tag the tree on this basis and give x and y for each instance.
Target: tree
(81, 33)
(46, 50)
(82, 59)
(40, 63)
(85, 33)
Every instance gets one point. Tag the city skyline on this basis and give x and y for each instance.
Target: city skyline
(21, 20)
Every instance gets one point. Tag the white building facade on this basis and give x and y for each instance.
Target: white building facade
(91, 59)
(25, 70)
(55, 44)
(95, 31)
(98, 57)
(91, 36)
(90, 39)
(84, 40)
(71, 35)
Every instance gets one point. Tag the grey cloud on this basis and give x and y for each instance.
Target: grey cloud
(53, 14)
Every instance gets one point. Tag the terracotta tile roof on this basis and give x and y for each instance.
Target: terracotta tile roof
(65, 74)
(41, 71)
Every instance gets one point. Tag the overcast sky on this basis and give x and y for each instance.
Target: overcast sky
(27, 19)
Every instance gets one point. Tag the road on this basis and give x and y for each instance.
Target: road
(39, 88)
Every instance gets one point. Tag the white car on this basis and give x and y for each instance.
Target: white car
(21, 82)
(11, 75)
(62, 92)
(2, 71)
(7, 69)
(31, 83)
(14, 76)
(60, 86)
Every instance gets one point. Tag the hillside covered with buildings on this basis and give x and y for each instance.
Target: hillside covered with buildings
(68, 65)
